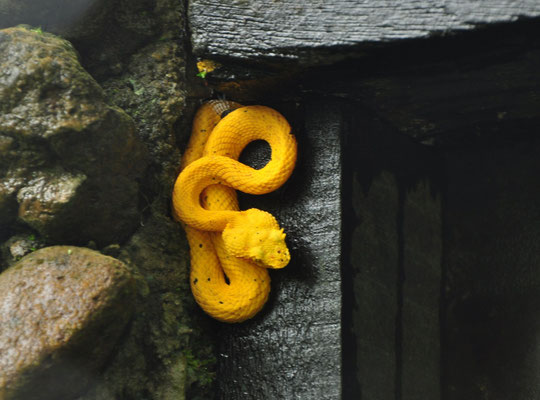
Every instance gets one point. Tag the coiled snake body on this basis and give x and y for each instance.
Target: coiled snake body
(232, 249)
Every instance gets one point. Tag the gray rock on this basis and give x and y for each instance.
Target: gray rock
(16, 247)
(153, 92)
(67, 158)
(105, 32)
(321, 32)
(8, 208)
(42, 199)
(57, 15)
(62, 311)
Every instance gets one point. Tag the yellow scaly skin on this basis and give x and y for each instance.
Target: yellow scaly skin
(223, 240)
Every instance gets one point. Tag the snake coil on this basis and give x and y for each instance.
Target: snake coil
(231, 249)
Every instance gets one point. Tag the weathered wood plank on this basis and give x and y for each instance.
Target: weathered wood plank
(393, 258)
(293, 349)
(288, 29)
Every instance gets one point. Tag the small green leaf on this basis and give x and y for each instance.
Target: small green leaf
(138, 90)
(37, 30)
(202, 74)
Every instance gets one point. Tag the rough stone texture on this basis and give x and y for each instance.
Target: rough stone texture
(16, 247)
(154, 95)
(493, 236)
(135, 50)
(272, 31)
(51, 15)
(8, 208)
(393, 246)
(62, 310)
(293, 348)
(68, 158)
(45, 195)
(104, 32)
(169, 351)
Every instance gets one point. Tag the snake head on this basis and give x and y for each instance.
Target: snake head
(255, 235)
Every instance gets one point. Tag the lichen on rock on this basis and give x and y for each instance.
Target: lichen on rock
(67, 158)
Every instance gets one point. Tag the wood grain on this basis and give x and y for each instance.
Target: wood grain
(280, 30)
(292, 350)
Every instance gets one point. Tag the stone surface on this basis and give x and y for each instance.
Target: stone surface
(51, 15)
(8, 208)
(45, 195)
(16, 247)
(293, 348)
(321, 32)
(104, 32)
(62, 311)
(69, 161)
(168, 352)
(153, 92)
(135, 50)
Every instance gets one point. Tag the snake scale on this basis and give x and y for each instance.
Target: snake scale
(231, 249)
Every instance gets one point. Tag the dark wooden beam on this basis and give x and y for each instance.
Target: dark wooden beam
(304, 31)
(293, 349)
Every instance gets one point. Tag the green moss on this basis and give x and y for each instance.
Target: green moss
(199, 371)
(137, 89)
(37, 30)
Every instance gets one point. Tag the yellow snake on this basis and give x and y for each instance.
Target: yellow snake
(232, 249)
